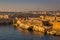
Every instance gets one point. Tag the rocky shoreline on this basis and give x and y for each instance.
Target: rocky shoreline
(49, 28)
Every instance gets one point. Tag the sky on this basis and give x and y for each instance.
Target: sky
(29, 5)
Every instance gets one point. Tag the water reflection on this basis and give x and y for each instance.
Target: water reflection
(11, 33)
(38, 35)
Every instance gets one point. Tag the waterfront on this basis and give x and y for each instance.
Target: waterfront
(8, 32)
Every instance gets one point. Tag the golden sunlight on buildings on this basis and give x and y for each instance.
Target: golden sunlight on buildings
(57, 13)
(39, 12)
(4, 16)
(1, 16)
(58, 18)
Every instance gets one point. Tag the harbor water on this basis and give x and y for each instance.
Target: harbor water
(8, 32)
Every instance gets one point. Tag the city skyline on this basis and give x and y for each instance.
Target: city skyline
(29, 5)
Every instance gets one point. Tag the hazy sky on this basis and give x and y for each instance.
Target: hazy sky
(28, 5)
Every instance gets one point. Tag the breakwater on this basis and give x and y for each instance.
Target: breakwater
(44, 26)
